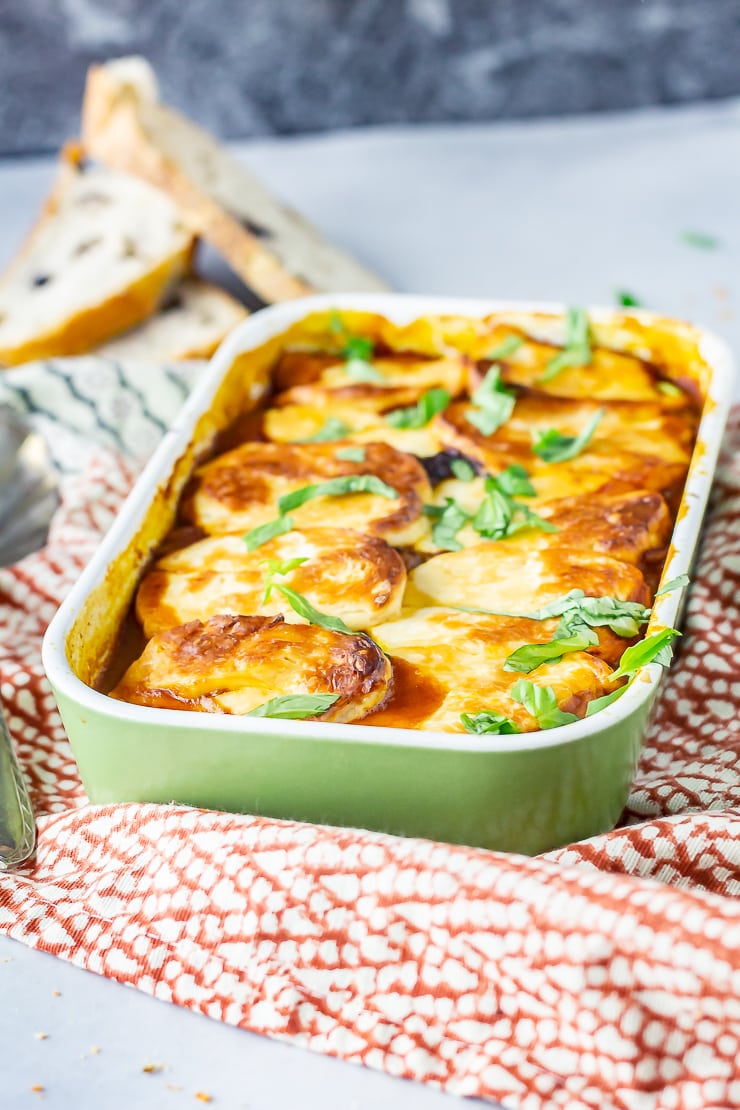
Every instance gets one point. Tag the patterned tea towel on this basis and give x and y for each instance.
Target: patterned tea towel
(603, 975)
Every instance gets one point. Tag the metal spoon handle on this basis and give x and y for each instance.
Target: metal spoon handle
(17, 827)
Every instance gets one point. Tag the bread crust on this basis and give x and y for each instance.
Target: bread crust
(125, 126)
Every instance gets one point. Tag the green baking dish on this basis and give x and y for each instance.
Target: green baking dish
(525, 793)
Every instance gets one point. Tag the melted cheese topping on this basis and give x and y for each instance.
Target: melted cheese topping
(232, 664)
(216, 645)
(240, 490)
(455, 664)
(346, 574)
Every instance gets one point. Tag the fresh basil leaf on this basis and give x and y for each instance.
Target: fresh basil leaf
(495, 513)
(336, 324)
(279, 566)
(515, 481)
(359, 347)
(541, 703)
(360, 370)
(462, 470)
(577, 350)
(448, 523)
(488, 724)
(624, 618)
(294, 707)
(336, 487)
(303, 607)
(529, 519)
(607, 699)
(419, 415)
(654, 649)
(674, 584)
(332, 428)
(700, 240)
(669, 389)
(530, 656)
(493, 404)
(552, 447)
(628, 300)
(352, 454)
(265, 532)
(505, 348)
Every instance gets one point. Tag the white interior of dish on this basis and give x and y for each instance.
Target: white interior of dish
(399, 309)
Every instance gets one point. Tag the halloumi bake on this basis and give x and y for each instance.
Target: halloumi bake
(458, 526)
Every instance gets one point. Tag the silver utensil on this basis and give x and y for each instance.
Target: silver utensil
(28, 498)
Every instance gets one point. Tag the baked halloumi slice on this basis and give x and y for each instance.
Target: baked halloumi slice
(446, 663)
(332, 421)
(357, 578)
(240, 490)
(235, 664)
(522, 576)
(635, 446)
(376, 383)
(626, 525)
(609, 376)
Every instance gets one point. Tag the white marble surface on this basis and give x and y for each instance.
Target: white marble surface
(567, 211)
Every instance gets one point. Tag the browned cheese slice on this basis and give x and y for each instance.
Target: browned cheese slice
(636, 446)
(348, 575)
(238, 491)
(233, 664)
(609, 376)
(446, 663)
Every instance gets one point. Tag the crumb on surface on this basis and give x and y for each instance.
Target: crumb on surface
(203, 1096)
(38, 1088)
(57, 994)
(173, 1086)
(94, 1050)
(153, 1069)
(41, 1036)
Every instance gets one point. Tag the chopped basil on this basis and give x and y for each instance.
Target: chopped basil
(351, 454)
(336, 324)
(359, 347)
(506, 347)
(515, 481)
(294, 707)
(462, 470)
(336, 487)
(628, 300)
(530, 656)
(552, 447)
(654, 649)
(359, 370)
(264, 532)
(493, 404)
(674, 584)
(449, 521)
(331, 429)
(541, 703)
(419, 415)
(279, 566)
(577, 350)
(669, 389)
(500, 515)
(624, 618)
(606, 699)
(303, 607)
(487, 724)
(700, 240)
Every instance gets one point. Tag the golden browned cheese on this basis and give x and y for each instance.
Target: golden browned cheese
(454, 663)
(296, 423)
(396, 381)
(240, 490)
(233, 664)
(356, 577)
(637, 445)
(610, 375)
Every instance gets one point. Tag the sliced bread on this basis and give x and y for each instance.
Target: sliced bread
(105, 252)
(191, 325)
(275, 252)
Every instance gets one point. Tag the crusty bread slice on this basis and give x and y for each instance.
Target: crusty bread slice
(105, 252)
(191, 325)
(270, 247)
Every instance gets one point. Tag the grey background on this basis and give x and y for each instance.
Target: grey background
(259, 67)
